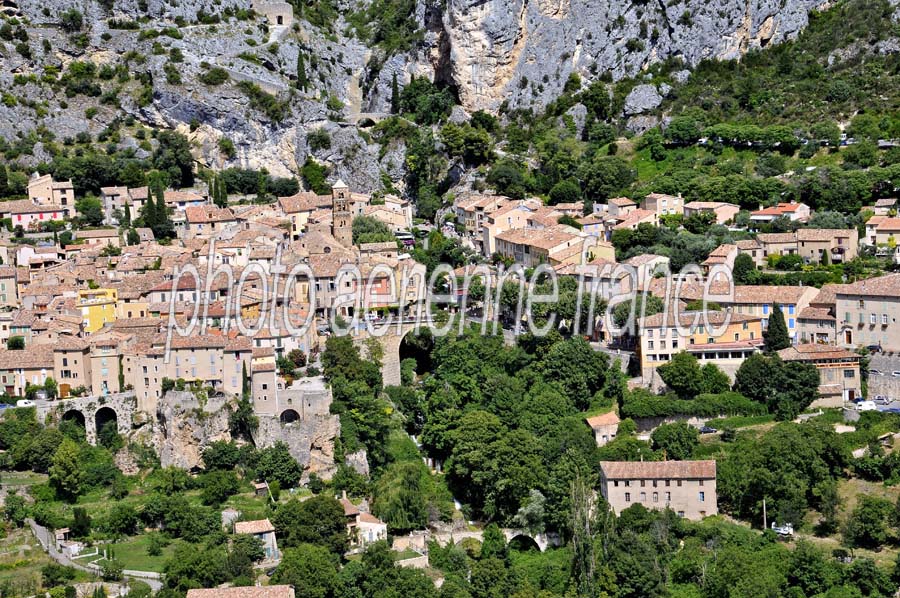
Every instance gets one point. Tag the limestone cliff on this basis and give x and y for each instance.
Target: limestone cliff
(185, 426)
(522, 51)
(490, 51)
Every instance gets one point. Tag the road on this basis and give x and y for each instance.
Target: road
(48, 541)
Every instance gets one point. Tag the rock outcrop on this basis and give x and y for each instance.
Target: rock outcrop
(522, 51)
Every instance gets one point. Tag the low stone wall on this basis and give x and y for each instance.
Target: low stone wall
(886, 386)
(418, 562)
(648, 424)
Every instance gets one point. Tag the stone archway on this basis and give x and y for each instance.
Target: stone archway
(289, 416)
(524, 542)
(105, 416)
(74, 415)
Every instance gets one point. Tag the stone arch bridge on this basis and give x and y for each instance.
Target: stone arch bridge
(542, 541)
(389, 342)
(92, 412)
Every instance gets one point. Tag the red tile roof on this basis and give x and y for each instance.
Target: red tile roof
(659, 470)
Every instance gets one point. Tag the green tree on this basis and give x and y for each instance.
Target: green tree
(91, 211)
(743, 269)
(493, 545)
(311, 570)
(715, 381)
(400, 499)
(276, 463)
(676, 440)
(776, 334)
(867, 526)
(66, 473)
(4, 181)
(15, 509)
(15, 343)
(319, 520)
(302, 77)
(71, 20)
(566, 191)
(368, 229)
(395, 95)
(683, 375)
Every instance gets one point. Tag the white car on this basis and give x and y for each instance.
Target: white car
(24, 403)
(866, 406)
(896, 373)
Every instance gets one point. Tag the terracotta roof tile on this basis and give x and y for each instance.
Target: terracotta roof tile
(658, 470)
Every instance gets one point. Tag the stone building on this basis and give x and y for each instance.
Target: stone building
(686, 487)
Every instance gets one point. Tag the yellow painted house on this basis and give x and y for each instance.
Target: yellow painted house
(98, 308)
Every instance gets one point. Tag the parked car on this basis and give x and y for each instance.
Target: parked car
(24, 403)
(866, 406)
(896, 373)
(874, 348)
(707, 430)
(876, 373)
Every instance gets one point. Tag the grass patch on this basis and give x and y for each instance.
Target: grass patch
(133, 555)
(22, 478)
(740, 421)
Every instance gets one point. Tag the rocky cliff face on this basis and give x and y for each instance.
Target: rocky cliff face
(185, 426)
(522, 51)
(491, 51)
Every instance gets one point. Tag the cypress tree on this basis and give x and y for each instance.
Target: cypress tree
(776, 335)
(4, 181)
(302, 79)
(126, 216)
(395, 95)
(164, 222)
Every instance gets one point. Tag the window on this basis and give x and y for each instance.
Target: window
(679, 483)
(643, 497)
(710, 340)
(668, 482)
(628, 497)
(627, 483)
(656, 497)
(790, 322)
(884, 319)
(745, 326)
(674, 343)
(681, 513)
(649, 344)
(737, 336)
(650, 333)
(872, 319)
(790, 310)
(643, 483)
(765, 310)
(862, 304)
(668, 497)
(700, 482)
(701, 497)
(616, 483)
(849, 374)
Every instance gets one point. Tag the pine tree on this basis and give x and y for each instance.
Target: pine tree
(395, 95)
(302, 79)
(776, 335)
(164, 222)
(4, 181)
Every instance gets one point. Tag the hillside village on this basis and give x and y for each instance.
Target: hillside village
(87, 319)
(449, 299)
